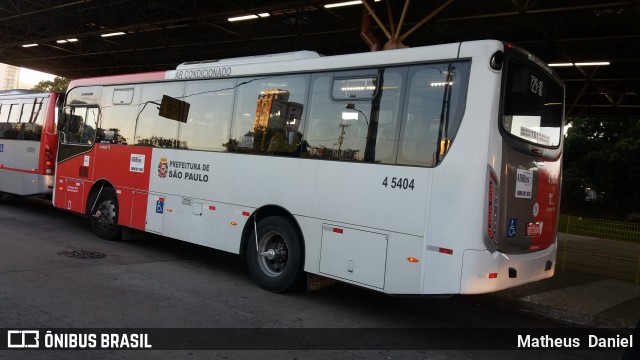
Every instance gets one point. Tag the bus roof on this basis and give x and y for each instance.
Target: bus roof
(22, 92)
(292, 62)
(118, 79)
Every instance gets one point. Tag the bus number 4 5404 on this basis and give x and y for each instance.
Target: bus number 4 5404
(398, 183)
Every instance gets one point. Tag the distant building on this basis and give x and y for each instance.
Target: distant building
(274, 111)
(9, 77)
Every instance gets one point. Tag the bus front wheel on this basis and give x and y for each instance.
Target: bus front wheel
(104, 216)
(275, 256)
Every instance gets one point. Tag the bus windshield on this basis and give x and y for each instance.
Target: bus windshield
(532, 105)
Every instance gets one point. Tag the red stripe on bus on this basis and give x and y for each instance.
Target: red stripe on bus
(35, 171)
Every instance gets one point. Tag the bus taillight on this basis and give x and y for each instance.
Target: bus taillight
(492, 207)
(490, 210)
(48, 161)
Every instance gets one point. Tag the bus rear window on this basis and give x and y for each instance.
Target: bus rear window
(533, 105)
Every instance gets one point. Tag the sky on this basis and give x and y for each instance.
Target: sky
(28, 78)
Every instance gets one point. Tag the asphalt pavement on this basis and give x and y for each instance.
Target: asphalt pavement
(51, 278)
(580, 298)
(574, 297)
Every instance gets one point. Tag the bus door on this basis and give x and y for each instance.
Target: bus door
(77, 135)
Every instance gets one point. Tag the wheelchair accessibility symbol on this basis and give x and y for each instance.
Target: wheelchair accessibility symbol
(160, 206)
(511, 229)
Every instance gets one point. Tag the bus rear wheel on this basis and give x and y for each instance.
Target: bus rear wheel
(104, 217)
(276, 258)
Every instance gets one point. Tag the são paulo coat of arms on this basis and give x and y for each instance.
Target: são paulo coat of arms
(162, 167)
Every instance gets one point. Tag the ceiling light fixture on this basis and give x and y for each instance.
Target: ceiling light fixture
(248, 17)
(242, 18)
(118, 33)
(591, 63)
(29, 45)
(344, 3)
(62, 41)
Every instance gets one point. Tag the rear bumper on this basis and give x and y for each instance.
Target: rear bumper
(484, 272)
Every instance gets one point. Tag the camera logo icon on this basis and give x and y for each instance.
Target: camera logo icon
(22, 339)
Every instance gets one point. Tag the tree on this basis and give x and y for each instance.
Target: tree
(602, 156)
(59, 84)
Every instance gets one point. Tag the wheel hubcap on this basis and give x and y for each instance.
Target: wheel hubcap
(106, 214)
(273, 253)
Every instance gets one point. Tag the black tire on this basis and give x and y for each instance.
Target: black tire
(104, 217)
(278, 264)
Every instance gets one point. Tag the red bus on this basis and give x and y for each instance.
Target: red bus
(28, 142)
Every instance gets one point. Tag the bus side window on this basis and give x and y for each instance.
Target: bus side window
(388, 115)
(118, 115)
(64, 122)
(79, 125)
(10, 116)
(337, 127)
(153, 129)
(268, 115)
(6, 127)
(88, 130)
(324, 119)
(209, 120)
(74, 124)
(434, 106)
(421, 121)
(343, 126)
(32, 116)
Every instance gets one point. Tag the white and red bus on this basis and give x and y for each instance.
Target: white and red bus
(28, 142)
(429, 170)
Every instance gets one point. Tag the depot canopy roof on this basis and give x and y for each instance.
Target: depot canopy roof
(76, 39)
